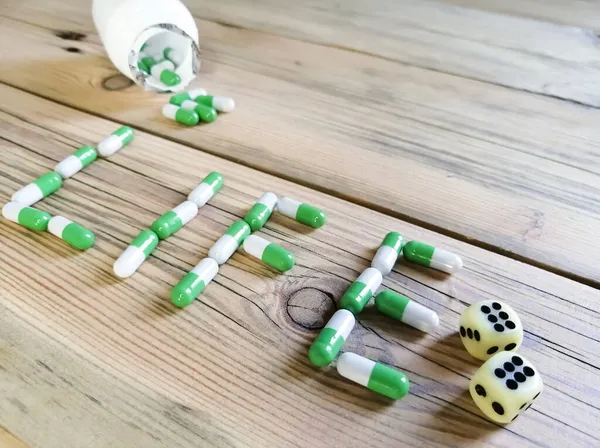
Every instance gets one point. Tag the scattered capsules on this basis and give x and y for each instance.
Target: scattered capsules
(432, 257)
(330, 340)
(38, 189)
(76, 162)
(405, 310)
(209, 186)
(303, 213)
(172, 221)
(114, 142)
(137, 252)
(71, 233)
(261, 211)
(194, 282)
(26, 216)
(181, 115)
(361, 291)
(178, 99)
(226, 246)
(206, 113)
(388, 253)
(269, 253)
(373, 375)
(220, 103)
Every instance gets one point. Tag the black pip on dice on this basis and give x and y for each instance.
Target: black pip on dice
(505, 386)
(489, 327)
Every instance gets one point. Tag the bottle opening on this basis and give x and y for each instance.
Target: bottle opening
(164, 58)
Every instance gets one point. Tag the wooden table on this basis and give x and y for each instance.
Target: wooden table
(472, 125)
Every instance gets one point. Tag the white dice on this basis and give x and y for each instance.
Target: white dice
(506, 385)
(489, 327)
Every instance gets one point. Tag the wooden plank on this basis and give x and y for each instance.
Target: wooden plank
(508, 170)
(7, 440)
(231, 369)
(582, 13)
(535, 56)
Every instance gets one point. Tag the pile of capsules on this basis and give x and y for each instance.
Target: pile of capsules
(239, 233)
(160, 63)
(195, 106)
(373, 375)
(19, 210)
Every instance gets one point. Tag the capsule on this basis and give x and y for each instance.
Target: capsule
(209, 186)
(194, 282)
(148, 62)
(261, 211)
(405, 310)
(133, 257)
(142, 66)
(373, 375)
(72, 233)
(361, 291)
(40, 188)
(432, 257)
(178, 99)
(76, 161)
(173, 55)
(327, 345)
(270, 254)
(225, 246)
(388, 252)
(303, 213)
(163, 70)
(206, 113)
(114, 142)
(26, 216)
(220, 103)
(183, 116)
(172, 221)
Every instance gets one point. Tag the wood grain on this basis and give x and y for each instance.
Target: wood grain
(534, 56)
(7, 440)
(115, 364)
(510, 171)
(582, 13)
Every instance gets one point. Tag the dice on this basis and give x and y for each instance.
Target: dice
(488, 327)
(505, 386)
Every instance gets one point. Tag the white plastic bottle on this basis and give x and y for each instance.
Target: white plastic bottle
(125, 26)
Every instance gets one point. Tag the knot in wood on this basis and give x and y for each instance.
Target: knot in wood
(311, 307)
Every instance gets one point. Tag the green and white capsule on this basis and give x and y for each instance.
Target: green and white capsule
(194, 282)
(114, 142)
(178, 99)
(432, 257)
(26, 216)
(173, 55)
(209, 186)
(76, 161)
(133, 257)
(373, 375)
(303, 213)
(181, 115)
(172, 221)
(164, 70)
(270, 254)
(361, 291)
(405, 310)
(206, 113)
(72, 233)
(220, 103)
(261, 211)
(226, 246)
(40, 188)
(327, 345)
(388, 253)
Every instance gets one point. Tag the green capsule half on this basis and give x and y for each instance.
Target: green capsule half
(330, 340)
(261, 211)
(194, 282)
(432, 257)
(361, 291)
(303, 213)
(72, 233)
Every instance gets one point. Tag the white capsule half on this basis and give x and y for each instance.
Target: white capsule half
(195, 93)
(445, 261)
(157, 69)
(343, 322)
(355, 368)
(68, 167)
(420, 317)
(269, 199)
(385, 259)
(174, 55)
(207, 270)
(28, 195)
(226, 246)
(223, 104)
(372, 278)
(186, 211)
(57, 224)
(129, 262)
(288, 207)
(255, 246)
